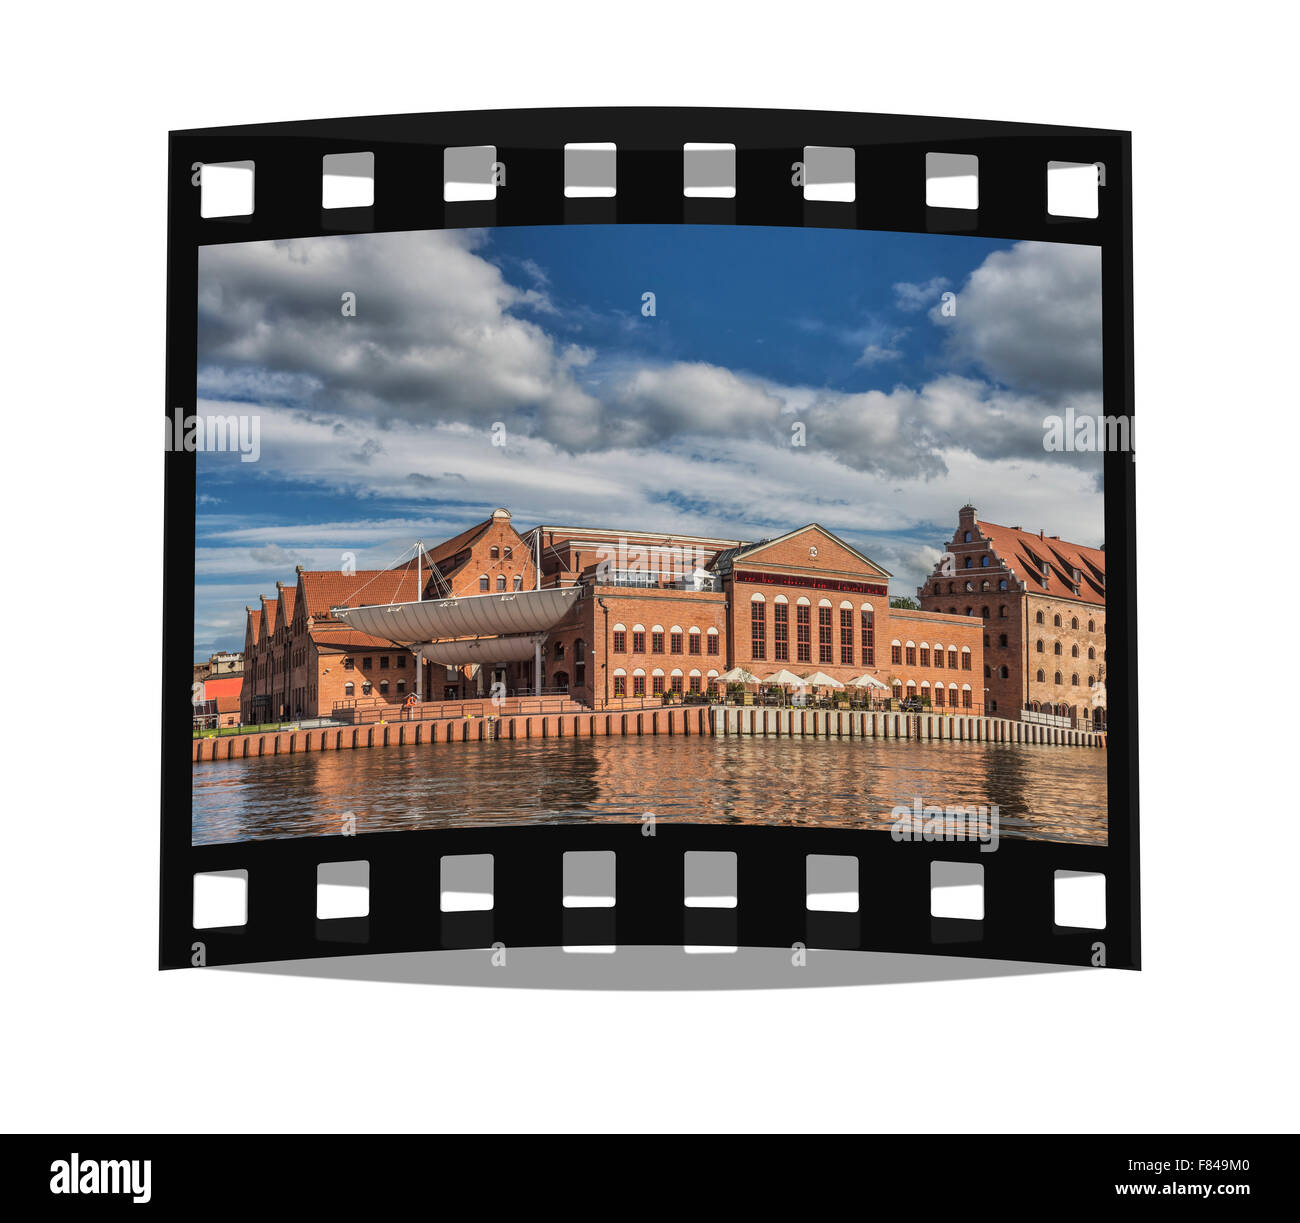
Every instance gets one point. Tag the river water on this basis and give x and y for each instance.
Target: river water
(1044, 793)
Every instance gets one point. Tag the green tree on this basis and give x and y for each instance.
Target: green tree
(903, 603)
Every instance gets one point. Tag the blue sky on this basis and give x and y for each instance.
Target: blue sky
(376, 429)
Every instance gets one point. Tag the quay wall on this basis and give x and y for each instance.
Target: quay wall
(718, 720)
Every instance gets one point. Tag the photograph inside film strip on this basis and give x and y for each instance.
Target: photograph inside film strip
(639, 570)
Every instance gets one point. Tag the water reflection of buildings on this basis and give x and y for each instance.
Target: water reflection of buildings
(1041, 793)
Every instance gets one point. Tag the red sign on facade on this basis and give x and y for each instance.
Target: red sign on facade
(811, 583)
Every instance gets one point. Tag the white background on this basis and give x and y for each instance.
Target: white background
(94, 1037)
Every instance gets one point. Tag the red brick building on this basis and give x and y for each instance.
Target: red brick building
(671, 611)
(1041, 602)
(658, 612)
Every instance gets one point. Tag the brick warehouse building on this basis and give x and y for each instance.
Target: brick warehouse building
(657, 612)
(1042, 604)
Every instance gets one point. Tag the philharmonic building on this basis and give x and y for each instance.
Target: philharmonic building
(603, 614)
(1041, 602)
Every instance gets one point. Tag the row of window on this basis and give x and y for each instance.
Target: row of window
(925, 656)
(1041, 676)
(1056, 649)
(694, 641)
(368, 664)
(855, 648)
(485, 583)
(350, 689)
(676, 682)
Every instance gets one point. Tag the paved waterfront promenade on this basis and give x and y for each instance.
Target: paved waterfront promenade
(667, 720)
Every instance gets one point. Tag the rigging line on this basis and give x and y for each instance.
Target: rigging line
(388, 569)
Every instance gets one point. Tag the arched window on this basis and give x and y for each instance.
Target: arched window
(383, 687)
(896, 652)
(1074, 651)
(967, 563)
(638, 644)
(952, 587)
(965, 658)
(1092, 626)
(1038, 617)
(712, 641)
(620, 682)
(910, 655)
(1074, 621)
(1038, 645)
(349, 688)
(1002, 584)
(1092, 653)
(1056, 621)
(868, 635)
(483, 583)
(1074, 681)
(1002, 640)
(1002, 612)
(579, 662)
(620, 639)
(966, 537)
(1041, 675)
(519, 581)
(695, 638)
(1091, 681)
(984, 561)
(984, 613)
(675, 639)
(367, 688)
(1004, 673)
(494, 552)
(1056, 648)
(1057, 680)
(501, 582)
(970, 611)
(988, 673)
(657, 640)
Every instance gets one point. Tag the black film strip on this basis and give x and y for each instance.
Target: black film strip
(888, 165)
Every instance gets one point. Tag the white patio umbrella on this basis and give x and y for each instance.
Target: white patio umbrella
(738, 675)
(819, 679)
(787, 679)
(866, 681)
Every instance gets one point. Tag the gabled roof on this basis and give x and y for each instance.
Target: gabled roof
(445, 553)
(284, 611)
(253, 629)
(729, 557)
(326, 588)
(1026, 553)
(268, 617)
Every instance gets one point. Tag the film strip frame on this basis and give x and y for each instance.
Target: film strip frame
(771, 907)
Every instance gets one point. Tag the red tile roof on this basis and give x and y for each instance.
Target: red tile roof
(1026, 553)
(328, 588)
(253, 630)
(332, 637)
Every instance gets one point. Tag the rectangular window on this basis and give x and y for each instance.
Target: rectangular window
(658, 681)
(781, 628)
(638, 685)
(676, 682)
(713, 643)
(401, 685)
(367, 664)
(675, 643)
(823, 634)
(869, 638)
(656, 643)
(846, 636)
(803, 632)
(401, 662)
(695, 643)
(349, 664)
(896, 655)
(965, 699)
(965, 660)
(695, 683)
(620, 641)
(911, 655)
(758, 630)
(638, 642)
(620, 685)
(383, 663)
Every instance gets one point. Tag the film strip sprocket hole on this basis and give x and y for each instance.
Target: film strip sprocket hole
(728, 629)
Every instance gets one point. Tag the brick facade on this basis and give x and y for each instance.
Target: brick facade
(1041, 602)
(659, 612)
